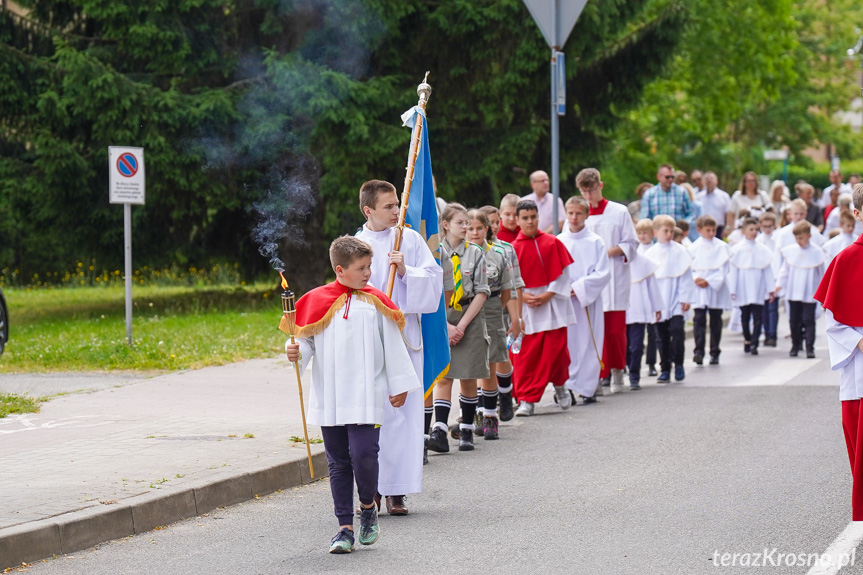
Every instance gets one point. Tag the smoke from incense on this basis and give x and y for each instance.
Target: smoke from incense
(288, 200)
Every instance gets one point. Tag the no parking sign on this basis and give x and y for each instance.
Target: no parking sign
(126, 180)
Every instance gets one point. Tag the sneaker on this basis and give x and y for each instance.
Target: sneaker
(753, 350)
(605, 381)
(478, 425)
(664, 377)
(714, 360)
(343, 542)
(810, 354)
(437, 441)
(562, 397)
(770, 342)
(504, 401)
(794, 352)
(599, 391)
(698, 359)
(466, 441)
(525, 409)
(369, 530)
(679, 373)
(490, 429)
(634, 385)
(651, 371)
(588, 400)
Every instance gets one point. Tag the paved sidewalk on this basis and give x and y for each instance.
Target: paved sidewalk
(140, 453)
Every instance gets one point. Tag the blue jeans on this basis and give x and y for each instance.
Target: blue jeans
(770, 318)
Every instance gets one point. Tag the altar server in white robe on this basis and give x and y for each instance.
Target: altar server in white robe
(674, 277)
(645, 309)
(839, 292)
(845, 238)
(588, 274)
(417, 290)
(612, 222)
(751, 282)
(767, 237)
(361, 370)
(709, 271)
(803, 265)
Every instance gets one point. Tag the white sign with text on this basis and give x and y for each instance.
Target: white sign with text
(126, 181)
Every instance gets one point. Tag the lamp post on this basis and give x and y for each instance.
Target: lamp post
(857, 50)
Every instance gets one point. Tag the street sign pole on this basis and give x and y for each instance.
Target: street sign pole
(127, 186)
(555, 123)
(556, 20)
(127, 242)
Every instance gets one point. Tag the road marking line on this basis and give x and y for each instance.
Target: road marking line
(841, 548)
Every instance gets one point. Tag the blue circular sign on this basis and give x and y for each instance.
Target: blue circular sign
(127, 165)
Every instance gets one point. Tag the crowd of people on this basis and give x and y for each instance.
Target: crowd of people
(526, 309)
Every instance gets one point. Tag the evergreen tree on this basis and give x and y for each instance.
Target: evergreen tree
(287, 106)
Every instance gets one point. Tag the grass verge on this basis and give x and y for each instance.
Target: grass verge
(11, 403)
(77, 329)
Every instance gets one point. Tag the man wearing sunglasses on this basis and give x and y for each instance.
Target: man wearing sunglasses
(666, 197)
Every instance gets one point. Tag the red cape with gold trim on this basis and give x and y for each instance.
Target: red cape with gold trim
(317, 308)
(541, 258)
(839, 288)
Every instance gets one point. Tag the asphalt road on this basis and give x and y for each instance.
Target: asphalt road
(739, 458)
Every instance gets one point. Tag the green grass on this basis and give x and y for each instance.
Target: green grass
(74, 329)
(11, 403)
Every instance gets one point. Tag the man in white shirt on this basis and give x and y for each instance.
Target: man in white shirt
(835, 182)
(544, 201)
(715, 203)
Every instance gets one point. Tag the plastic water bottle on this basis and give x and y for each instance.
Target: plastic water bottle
(514, 344)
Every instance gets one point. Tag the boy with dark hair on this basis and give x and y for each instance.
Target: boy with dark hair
(751, 282)
(709, 268)
(546, 311)
(362, 368)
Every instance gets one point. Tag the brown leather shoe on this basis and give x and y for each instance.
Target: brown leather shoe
(396, 505)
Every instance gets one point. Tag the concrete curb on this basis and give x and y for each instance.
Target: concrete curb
(83, 529)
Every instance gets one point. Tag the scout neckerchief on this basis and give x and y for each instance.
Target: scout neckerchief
(458, 291)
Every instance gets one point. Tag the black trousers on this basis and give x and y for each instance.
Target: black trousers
(671, 345)
(700, 328)
(651, 344)
(756, 312)
(801, 316)
(352, 454)
(635, 349)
